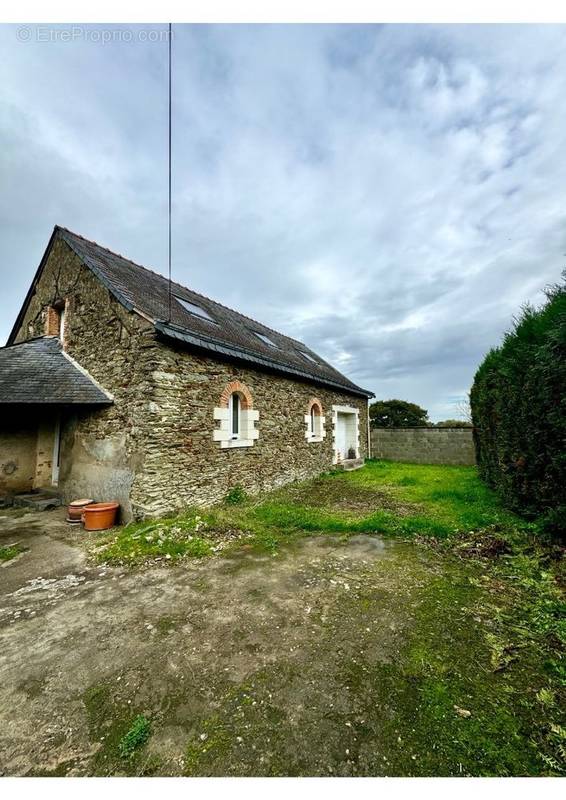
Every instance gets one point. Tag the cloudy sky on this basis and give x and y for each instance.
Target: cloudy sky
(390, 195)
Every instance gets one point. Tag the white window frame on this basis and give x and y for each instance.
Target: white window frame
(248, 433)
(62, 323)
(317, 434)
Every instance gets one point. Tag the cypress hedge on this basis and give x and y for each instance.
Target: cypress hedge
(518, 402)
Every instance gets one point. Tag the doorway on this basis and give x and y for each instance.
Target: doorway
(346, 433)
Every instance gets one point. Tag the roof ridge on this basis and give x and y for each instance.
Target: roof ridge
(180, 285)
(142, 289)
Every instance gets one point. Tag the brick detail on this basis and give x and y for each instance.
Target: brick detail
(52, 321)
(314, 401)
(236, 387)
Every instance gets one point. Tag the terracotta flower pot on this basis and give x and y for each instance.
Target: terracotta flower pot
(100, 516)
(75, 510)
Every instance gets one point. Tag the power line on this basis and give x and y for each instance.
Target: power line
(169, 210)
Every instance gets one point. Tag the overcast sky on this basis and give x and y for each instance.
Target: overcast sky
(390, 195)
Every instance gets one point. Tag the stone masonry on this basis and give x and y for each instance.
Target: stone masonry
(153, 450)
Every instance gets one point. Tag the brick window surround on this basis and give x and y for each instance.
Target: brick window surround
(248, 433)
(319, 432)
(52, 321)
(236, 387)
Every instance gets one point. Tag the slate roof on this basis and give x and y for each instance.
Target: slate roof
(229, 335)
(39, 372)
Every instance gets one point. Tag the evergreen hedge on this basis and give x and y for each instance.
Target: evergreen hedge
(518, 403)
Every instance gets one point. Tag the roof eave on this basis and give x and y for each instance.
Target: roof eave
(170, 331)
(104, 403)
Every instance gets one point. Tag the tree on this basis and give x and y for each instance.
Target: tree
(519, 412)
(453, 423)
(397, 414)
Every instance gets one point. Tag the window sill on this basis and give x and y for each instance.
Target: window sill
(236, 443)
(315, 439)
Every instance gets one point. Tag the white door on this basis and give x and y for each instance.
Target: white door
(341, 437)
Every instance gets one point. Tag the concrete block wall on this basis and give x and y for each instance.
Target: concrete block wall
(424, 445)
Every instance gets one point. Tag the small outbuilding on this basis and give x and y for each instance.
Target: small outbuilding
(117, 385)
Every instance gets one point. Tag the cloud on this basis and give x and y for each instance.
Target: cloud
(390, 195)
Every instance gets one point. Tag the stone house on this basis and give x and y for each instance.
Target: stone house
(116, 386)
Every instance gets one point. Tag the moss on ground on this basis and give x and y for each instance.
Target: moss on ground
(475, 684)
(439, 706)
(121, 733)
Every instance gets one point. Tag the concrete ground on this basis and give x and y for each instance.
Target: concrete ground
(245, 665)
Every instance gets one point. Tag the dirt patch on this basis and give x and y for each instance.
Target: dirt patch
(83, 655)
(343, 495)
(328, 655)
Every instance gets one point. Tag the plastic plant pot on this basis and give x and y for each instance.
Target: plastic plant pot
(100, 516)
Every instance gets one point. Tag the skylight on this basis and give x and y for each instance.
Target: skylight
(265, 339)
(193, 309)
(306, 355)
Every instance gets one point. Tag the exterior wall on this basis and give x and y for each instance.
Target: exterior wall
(153, 451)
(44, 453)
(424, 445)
(100, 449)
(185, 466)
(18, 443)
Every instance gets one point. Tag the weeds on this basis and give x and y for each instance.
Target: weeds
(136, 737)
(236, 496)
(10, 551)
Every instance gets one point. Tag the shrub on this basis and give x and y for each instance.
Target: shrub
(518, 402)
(235, 496)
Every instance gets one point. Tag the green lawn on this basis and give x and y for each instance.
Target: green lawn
(388, 498)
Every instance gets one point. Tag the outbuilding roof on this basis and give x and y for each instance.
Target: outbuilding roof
(191, 319)
(39, 372)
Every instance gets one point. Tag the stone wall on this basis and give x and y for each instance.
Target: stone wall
(153, 450)
(18, 444)
(184, 465)
(424, 445)
(100, 449)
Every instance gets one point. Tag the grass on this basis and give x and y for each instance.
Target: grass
(388, 498)
(135, 737)
(121, 735)
(10, 551)
(478, 686)
(168, 539)
(469, 692)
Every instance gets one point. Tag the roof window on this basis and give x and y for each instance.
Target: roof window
(193, 309)
(265, 339)
(308, 357)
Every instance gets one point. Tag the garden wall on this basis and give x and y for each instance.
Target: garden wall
(424, 445)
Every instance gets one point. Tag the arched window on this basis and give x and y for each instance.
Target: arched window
(235, 417)
(315, 422)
